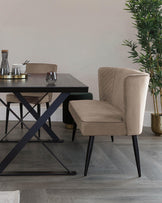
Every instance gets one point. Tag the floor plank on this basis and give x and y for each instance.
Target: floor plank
(112, 173)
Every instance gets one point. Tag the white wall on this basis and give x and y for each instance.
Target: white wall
(78, 35)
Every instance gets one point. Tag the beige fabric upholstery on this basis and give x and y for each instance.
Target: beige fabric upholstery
(97, 117)
(30, 96)
(31, 99)
(40, 67)
(120, 110)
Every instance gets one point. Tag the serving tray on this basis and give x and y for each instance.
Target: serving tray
(12, 77)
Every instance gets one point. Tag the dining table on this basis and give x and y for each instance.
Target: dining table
(64, 85)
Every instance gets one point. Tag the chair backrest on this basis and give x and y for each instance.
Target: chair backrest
(40, 67)
(126, 89)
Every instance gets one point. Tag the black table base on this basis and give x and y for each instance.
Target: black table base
(41, 122)
(38, 173)
(32, 141)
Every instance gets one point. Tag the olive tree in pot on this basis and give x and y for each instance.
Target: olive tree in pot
(147, 51)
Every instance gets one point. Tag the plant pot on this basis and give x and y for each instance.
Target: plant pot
(156, 124)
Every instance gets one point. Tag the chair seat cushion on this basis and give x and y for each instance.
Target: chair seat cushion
(32, 98)
(97, 118)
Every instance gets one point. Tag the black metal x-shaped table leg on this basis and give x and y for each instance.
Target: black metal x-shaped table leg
(38, 124)
(36, 116)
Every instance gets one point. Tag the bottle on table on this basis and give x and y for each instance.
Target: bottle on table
(5, 69)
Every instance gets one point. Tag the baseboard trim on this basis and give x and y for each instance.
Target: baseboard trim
(147, 119)
(57, 116)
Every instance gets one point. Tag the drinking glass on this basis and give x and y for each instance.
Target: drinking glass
(51, 77)
(15, 71)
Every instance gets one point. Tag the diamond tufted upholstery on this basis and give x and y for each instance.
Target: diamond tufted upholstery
(120, 109)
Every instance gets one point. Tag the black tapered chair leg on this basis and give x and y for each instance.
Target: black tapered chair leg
(49, 120)
(74, 131)
(136, 153)
(112, 138)
(89, 152)
(39, 112)
(7, 116)
(21, 114)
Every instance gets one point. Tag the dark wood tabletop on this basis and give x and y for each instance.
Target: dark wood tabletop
(37, 83)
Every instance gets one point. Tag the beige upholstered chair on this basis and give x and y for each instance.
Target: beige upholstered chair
(120, 110)
(32, 98)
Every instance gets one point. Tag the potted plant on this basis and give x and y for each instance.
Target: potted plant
(147, 51)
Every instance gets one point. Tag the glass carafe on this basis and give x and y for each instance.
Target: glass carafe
(5, 69)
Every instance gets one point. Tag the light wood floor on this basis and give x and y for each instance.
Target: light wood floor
(112, 176)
